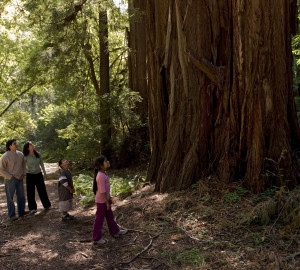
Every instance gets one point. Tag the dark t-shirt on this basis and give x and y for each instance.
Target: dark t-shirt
(65, 179)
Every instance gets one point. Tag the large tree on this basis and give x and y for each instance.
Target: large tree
(220, 91)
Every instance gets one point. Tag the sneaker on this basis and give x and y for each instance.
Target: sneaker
(121, 232)
(100, 242)
(49, 208)
(33, 211)
(24, 214)
(14, 218)
(67, 217)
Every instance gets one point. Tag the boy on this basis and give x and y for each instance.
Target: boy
(65, 190)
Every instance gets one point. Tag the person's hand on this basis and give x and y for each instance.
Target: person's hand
(45, 177)
(108, 205)
(73, 190)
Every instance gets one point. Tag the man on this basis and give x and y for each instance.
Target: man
(13, 169)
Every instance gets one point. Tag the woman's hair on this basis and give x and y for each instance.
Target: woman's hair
(98, 163)
(9, 143)
(26, 150)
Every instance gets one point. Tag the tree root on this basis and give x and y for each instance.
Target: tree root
(144, 250)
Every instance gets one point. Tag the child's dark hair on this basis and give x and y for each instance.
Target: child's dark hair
(60, 162)
(98, 163)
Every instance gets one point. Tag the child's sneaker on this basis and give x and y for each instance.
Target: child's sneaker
(32, 212)
(121, 232)
(67, 217)
(14, 218)
(50, 208)
(100, 242)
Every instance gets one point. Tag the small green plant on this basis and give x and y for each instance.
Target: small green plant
(120, 186)
(167, 255)
(269, 192)
(83, 185)
(235, 196)
(191, 257)
(231, 197)
(242, 191)
(259, 239)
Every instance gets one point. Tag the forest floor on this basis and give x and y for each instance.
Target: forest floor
(199, 228)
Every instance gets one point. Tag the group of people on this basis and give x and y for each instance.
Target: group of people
(15, 165)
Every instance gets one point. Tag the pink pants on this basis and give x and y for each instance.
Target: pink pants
(102, 213)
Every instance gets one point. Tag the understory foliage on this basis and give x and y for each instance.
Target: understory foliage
(296, 67)
(120, 186)
(283, 207)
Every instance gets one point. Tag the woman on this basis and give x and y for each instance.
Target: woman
(35, 178)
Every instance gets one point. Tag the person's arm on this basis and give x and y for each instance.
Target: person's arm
(42, 166)
(102, 190)
(66, 185)
(3, 166)
(24, 167)
(104, 195)
(63, 180)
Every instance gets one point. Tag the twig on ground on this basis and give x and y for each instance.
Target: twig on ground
(5, 255)
(192, 237)
(84, 255)
(133, 230)
(80, 241)
(131, 243)
(293, 257)
(121, 216)
(145, 249)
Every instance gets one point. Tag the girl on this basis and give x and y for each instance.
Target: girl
(35, 178)
(101, 188)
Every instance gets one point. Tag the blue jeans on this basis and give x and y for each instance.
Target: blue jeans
(12, 186)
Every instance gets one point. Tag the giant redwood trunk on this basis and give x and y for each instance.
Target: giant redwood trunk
(220, 92)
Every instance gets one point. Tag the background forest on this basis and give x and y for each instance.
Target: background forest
(52, 92)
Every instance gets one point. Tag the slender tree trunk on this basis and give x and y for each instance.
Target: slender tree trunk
(220, 92)
(137, 44)
(104, 83)
(138, 137)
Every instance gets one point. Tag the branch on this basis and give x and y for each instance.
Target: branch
(72, 16)
(145, 249)
(14, 100)
(89, 58)
(214, 73)
(117, 58)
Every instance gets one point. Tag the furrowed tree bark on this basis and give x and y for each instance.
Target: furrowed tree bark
(220, 92)
(104, 88)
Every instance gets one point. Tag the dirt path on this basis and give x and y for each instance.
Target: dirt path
(44, 241)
